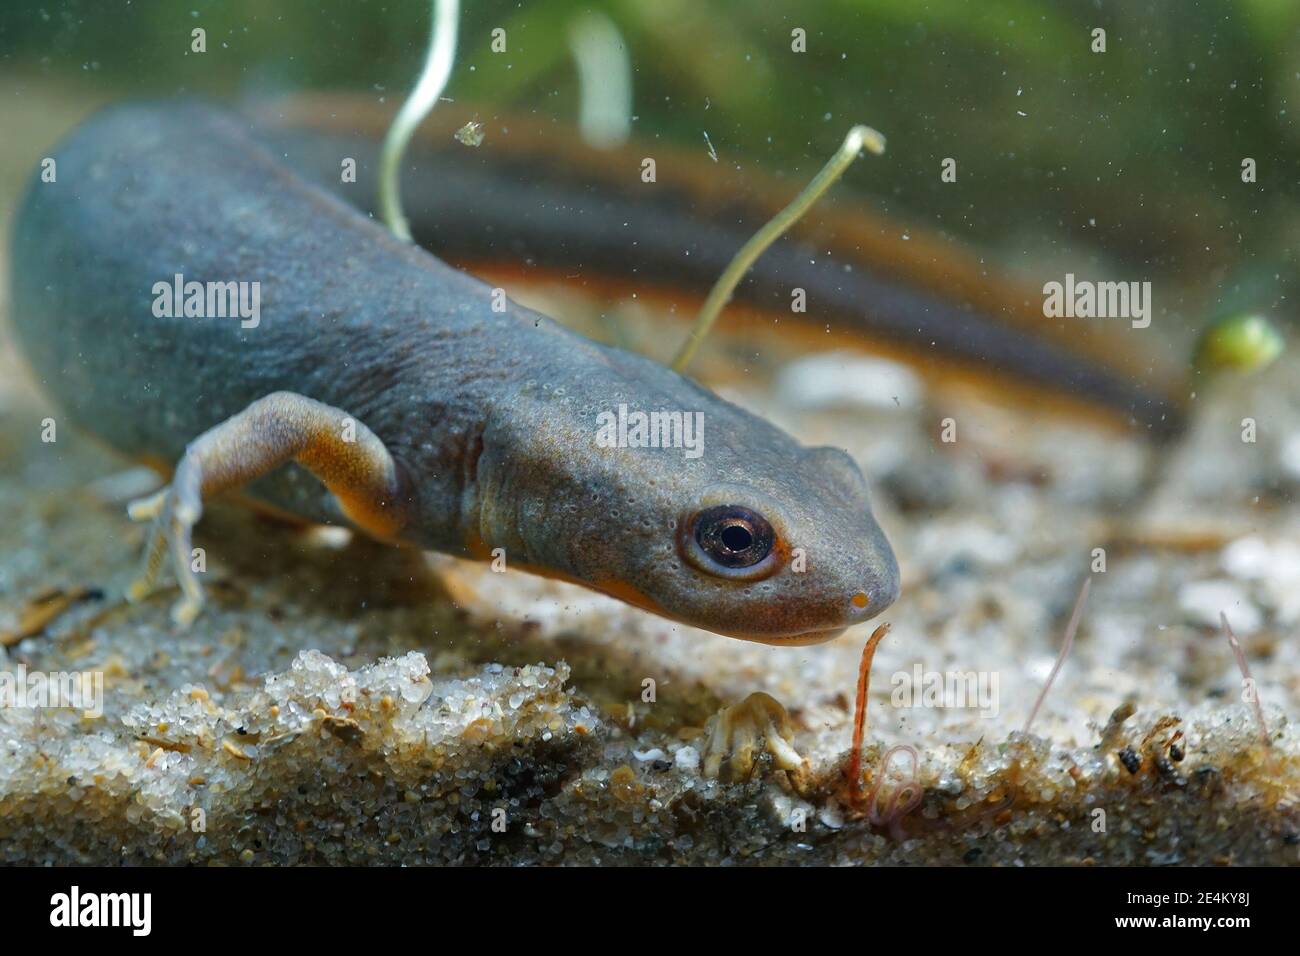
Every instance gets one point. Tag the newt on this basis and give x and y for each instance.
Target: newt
(379, 387)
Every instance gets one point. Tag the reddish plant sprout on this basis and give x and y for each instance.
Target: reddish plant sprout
(1238, 653)
(860, 713)
(900, 800)
(1065, 650)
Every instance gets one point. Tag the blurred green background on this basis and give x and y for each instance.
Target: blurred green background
(1128, 159)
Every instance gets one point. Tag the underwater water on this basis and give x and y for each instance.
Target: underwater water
(1016, 382)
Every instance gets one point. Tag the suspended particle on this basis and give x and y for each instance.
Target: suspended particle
(471, 134)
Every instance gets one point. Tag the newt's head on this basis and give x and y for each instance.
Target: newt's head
(723, 521)
(793, 556)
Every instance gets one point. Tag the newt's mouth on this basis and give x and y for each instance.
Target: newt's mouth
(818, 635)
(790, 640)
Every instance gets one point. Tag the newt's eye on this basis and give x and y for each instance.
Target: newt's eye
(733, 537)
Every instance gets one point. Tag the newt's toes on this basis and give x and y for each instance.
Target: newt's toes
(147, 508)
(170, 533)
(739, 736)
(185, 611)
(138, 590)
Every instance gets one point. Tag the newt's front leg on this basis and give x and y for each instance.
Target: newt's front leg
(347, 457)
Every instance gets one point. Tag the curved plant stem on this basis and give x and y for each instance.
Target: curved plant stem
(860, 713)
(437, 70)
(1248, 681)
(604, 80)
(859, 137)
(1068, 643)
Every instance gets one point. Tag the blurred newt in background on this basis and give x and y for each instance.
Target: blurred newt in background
(535, 204)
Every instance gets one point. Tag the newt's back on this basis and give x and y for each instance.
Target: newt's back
(294, 290)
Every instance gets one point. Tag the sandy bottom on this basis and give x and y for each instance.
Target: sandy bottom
(340, 701)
